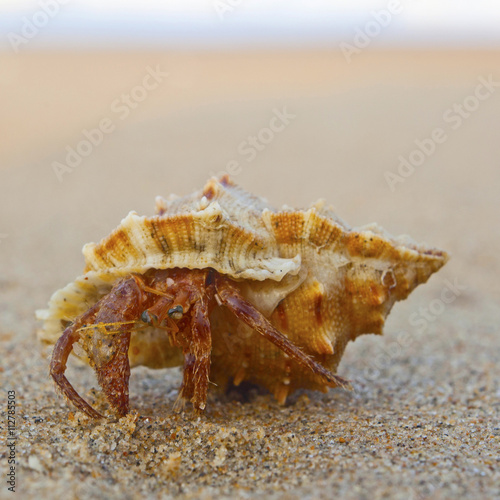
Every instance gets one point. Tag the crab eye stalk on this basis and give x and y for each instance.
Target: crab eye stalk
(176, 312)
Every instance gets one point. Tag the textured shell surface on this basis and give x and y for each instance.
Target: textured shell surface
(319, 281)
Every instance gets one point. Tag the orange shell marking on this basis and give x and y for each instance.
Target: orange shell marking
(319, 282)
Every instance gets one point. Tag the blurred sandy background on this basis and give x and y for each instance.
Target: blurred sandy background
(426, 426)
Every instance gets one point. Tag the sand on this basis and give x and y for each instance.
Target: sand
(423, 419)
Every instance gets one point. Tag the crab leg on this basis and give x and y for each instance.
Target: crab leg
(246, 312)
(197, 356)
(109, 355)
(62, 350)
(119, 306)
(113, 376)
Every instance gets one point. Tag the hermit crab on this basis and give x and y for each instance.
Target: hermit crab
(234, 290)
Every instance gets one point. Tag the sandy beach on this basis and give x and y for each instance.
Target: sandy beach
(407, 139)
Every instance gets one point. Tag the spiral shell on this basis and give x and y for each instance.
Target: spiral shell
(319, 281)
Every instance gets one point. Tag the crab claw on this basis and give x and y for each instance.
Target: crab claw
(113, 375)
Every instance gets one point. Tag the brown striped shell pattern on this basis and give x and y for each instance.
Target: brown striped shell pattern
(232, 289)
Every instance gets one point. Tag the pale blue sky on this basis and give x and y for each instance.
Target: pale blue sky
(237, 23)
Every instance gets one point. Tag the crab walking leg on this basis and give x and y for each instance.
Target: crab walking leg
(186, 390)
(197, 351)
(113, 376)
(246, 312)
(62, 350)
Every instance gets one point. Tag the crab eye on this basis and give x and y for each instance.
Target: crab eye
(176, 312)
(148, 318)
